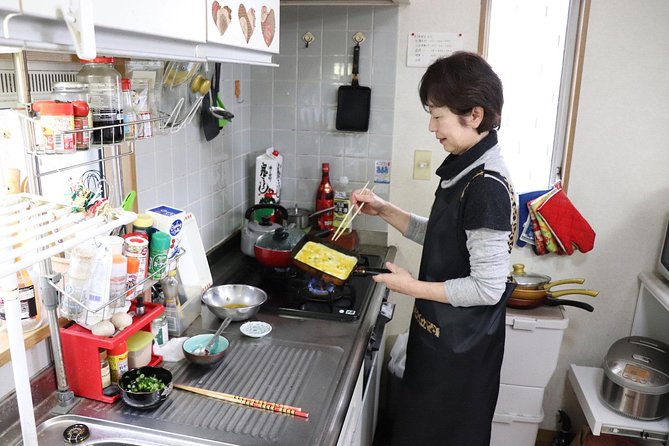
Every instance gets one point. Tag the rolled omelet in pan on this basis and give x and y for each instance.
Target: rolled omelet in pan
(327, 260)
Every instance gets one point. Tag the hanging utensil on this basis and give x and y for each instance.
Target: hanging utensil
(210, 125)
(353, 101)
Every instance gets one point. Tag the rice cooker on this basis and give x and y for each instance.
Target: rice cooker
(636, 378)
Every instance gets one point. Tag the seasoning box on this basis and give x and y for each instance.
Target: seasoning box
(169, 220)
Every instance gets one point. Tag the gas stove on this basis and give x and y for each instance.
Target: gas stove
(293, 292)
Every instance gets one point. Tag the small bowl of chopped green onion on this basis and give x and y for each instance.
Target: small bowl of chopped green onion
(145, 387)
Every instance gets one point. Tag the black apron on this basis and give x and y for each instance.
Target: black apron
(454, 354)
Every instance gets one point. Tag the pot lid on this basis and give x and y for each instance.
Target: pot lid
(522, 277)
(281, 239)
(639, 363)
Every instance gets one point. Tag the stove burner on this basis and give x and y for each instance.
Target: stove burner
(320, 287)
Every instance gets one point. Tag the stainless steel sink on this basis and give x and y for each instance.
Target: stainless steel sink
(108, 433)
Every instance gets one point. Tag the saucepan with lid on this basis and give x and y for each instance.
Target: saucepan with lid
(533, 290)
(301, 218)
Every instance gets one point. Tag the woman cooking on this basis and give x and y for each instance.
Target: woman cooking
(456, 338)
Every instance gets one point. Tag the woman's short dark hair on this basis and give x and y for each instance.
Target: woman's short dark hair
(461, 82)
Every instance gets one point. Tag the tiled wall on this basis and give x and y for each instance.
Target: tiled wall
(206, 178)
(292, 108)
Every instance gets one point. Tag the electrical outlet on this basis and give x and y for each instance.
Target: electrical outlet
(422, 164)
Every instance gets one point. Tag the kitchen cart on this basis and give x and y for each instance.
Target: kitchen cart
(651, 319)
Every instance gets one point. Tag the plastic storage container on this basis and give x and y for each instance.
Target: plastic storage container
(515, 430)
(104, 84)
(532, 348)
(139, 349)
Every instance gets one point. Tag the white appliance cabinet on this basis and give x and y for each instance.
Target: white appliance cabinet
(651, 319)
(152, 29)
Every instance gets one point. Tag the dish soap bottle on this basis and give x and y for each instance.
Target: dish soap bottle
(325, 199)
(342, 203)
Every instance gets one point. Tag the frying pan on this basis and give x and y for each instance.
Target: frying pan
(326, 277)
(353, 101)
(540, 294)
(549, 301)
(532, 281)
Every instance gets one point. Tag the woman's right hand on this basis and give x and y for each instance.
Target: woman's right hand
(374, 204)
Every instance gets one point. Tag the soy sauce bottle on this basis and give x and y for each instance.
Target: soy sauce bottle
(104, 84)
(325, 199)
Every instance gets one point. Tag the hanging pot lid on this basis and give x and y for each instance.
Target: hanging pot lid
(281, 239)
(524, 278)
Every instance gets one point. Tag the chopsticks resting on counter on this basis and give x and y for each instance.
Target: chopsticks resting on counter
(252, 402)
(346, 221)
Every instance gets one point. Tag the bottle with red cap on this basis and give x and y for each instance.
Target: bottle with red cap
(325, 198)
(129, 114)
(104, 84)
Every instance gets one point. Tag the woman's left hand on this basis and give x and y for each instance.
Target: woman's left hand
(398, 279)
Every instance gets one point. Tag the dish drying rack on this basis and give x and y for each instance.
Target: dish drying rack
(91, 315)
(33, 228)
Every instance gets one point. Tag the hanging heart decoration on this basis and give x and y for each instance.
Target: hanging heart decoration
(247, 21)
(267, 24)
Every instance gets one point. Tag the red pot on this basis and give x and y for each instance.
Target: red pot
(274, 248)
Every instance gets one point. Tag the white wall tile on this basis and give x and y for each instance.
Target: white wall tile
(308, 93)
(360, 18)
(335, 18)
(285, 93)
(335, 42)
(308, 68)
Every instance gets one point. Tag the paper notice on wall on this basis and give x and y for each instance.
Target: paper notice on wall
(423, 48)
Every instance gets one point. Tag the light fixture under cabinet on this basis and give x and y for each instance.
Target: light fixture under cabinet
(344, 2)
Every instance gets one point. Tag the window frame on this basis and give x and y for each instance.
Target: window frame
(572, 72)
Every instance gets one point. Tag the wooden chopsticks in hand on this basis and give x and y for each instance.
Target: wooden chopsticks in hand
(348, 219)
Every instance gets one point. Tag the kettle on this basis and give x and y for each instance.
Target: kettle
(252, 229)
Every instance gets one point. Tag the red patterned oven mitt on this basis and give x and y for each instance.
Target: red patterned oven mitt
(567, 224)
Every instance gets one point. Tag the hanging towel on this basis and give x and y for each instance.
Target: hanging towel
(567, 224)
(527, 234)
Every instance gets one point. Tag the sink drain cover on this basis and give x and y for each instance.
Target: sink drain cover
(76, 433)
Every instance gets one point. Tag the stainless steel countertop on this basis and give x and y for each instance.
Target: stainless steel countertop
(303, 362)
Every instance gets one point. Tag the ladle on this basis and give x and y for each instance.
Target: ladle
(200, 351)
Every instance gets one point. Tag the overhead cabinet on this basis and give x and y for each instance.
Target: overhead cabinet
(244, 31)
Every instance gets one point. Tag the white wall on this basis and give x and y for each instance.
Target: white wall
(618, 181)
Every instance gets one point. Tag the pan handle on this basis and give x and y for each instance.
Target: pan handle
(570, 303)
(367, 271)
(563, 282)
(592, 293)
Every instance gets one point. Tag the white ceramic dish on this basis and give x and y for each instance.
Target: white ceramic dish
(255, 329)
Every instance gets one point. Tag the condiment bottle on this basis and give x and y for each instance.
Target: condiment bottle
(342, 202)
(78, 278)
(104, 83)
(170, 287)
(143, 224)
(105, 371)
(129, 114)
(160, 329)
(82, 137)
(118, 284)
(29, 301)
(57, 121)
(118, 361)
(158, 250)
(325, 198)
(133, 277)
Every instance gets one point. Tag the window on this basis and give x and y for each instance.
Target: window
(535, 46)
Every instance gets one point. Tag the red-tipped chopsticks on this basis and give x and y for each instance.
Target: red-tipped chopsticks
(252, 402)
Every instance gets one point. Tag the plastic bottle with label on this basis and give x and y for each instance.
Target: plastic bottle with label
(118, 361)
(342, 202)
(104, 84)
(29, 300)
(118, 284)
(129, 114)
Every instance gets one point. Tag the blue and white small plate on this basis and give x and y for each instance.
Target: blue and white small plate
(255, 329)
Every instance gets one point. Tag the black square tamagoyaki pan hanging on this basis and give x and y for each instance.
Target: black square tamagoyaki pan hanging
(353, 101)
